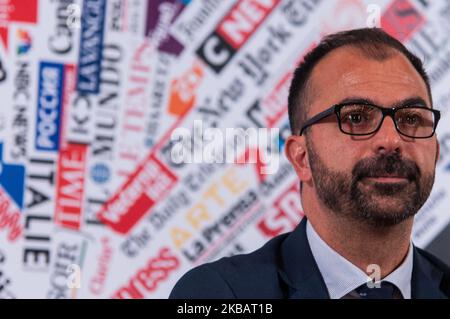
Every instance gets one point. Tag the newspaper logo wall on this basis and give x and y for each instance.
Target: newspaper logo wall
(92, 204)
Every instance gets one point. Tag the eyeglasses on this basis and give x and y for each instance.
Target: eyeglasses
(360, 118)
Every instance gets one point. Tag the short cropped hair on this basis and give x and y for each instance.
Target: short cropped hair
(373, 43)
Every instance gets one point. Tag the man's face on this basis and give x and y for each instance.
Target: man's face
(383, 178)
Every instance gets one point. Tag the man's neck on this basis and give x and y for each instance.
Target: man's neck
(364, 244)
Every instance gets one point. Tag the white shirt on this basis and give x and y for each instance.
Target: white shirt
(342, 277)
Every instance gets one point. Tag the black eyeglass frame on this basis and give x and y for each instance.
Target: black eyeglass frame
(336, 109)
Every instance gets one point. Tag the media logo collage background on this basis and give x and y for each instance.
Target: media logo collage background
(91, 93)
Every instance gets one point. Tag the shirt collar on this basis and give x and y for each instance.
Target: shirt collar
(341, 276)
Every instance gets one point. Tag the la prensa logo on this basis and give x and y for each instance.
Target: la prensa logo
(24, 42)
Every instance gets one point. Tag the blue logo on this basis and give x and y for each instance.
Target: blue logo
(100, 173)
(51, 77)
(91, 46)
(12, 178)
(24, 42)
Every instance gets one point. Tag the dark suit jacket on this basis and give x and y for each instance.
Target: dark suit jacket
(285, 268)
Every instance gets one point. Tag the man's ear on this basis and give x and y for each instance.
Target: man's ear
(296, 152)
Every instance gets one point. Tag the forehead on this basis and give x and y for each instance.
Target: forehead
(346, 72)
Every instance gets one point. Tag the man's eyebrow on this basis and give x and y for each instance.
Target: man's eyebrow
(357, 99)
(411, 101)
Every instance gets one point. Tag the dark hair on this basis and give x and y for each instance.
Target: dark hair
(373, 43)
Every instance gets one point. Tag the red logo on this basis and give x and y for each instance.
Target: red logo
(275, 104)
(183, 90)
(16, 11)
(147, 185)
(401, 20)
(71, 166)
(9, 216)
(243, 19)
(284, 215)
(98, 281)
(70, 181)
(233, 31)
(148, 278)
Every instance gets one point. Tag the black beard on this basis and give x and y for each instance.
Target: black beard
(384, 204)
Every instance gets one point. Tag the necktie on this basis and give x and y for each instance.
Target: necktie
(385, 291)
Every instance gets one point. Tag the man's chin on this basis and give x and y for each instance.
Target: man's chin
(384, 211)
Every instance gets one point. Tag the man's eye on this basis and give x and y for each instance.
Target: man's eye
(411, 119)
(355, 118)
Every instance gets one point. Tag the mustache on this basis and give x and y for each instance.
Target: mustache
(391, 164)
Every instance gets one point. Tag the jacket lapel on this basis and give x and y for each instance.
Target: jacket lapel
(425, 279)
(299, 269)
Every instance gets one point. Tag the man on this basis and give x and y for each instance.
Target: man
(365, 150)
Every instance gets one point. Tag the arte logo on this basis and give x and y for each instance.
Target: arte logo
(23, 42)
(233, 31)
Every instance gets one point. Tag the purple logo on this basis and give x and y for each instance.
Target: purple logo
(160, 16)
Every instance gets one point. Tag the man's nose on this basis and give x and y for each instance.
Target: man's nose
(387, 139)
